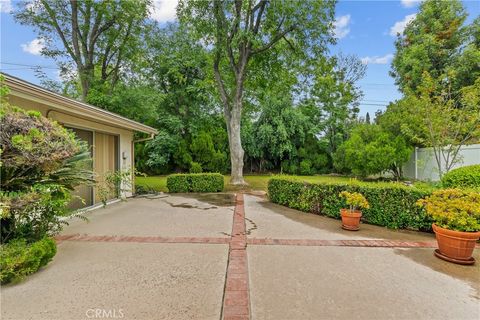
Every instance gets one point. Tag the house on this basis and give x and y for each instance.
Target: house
(110, 136)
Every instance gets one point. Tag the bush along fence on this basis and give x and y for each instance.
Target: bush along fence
(463, 177)
(195, 182)
(392, 206)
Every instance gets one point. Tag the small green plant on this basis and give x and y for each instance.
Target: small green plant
(454, 209)
(115, 183)
(355, 200)
(19, 259)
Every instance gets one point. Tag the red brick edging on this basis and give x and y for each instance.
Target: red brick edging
(144, 239)
(236, 299)
(239, 240)
(344, 243)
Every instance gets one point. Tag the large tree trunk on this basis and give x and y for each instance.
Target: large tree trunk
(233, 120)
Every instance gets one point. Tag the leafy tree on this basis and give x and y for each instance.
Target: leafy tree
(434, 120)
(467, 64)
(98, 37)
(333, 97)
(372, 150)
(437, 42)
(241, 32)
(277, 134)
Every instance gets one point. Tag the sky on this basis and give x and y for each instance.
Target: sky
(366, 29)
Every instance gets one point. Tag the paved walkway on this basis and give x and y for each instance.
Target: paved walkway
(220, 256)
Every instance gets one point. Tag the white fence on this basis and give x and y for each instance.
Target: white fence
(423, 166)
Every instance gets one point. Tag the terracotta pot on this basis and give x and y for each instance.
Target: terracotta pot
(350, 219)
(455, 246)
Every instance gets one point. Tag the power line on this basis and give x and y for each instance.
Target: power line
(376, 84)
(374, 101)
(372, 104)
(29, 65)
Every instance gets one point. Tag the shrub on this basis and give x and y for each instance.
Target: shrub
(36, 150)
(305, 167)
(464, 177)
(19, 259)
(454, 209)
(195, 182)
(206, 182)
(32, 214)
(195, 167)
(178, 183)
(372, 150)
(391, 205)
(41, 163)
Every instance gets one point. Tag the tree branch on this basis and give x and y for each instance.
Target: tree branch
(217, 7)
(261, 7)
(75, 30)
(52, 16)
(275, 39)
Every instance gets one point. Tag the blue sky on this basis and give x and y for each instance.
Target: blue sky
(364, 28)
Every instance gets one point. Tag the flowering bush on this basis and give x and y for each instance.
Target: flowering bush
(454, 209)
(355, 200)
(35, 149)
(41, 162)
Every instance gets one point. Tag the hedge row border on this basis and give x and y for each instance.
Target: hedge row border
(390, 206)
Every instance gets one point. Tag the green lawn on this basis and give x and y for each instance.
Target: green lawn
(256, 182)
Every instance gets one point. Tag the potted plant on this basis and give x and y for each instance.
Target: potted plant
(456, 216)
(351, 217)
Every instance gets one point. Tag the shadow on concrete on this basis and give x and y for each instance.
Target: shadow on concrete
(214, 199)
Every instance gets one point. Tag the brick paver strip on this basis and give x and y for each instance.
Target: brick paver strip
(152, 239)
(343, 243)
(236, 299)
(238, 242)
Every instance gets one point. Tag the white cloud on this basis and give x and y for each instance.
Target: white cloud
(6, 6)
(34, 47)
(399, 26)
(164, 10)
(341, 26)
(377, 59)
(409, 3)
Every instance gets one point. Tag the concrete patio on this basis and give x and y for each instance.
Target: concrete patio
(214, 256)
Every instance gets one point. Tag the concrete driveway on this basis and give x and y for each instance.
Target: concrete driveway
(215, 256)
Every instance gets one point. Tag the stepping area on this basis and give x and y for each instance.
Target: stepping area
(227, 256)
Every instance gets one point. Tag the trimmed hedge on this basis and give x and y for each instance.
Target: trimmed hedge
(392, 206)
(463, 177)
(19, 259)
(195, 182)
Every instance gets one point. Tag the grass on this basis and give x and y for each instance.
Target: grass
(256, 182)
